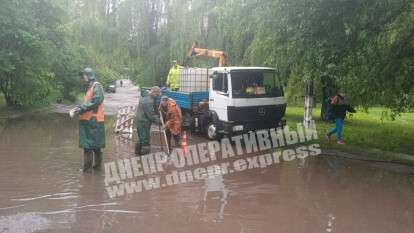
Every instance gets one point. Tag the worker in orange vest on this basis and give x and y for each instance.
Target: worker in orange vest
(171, 113)
(91, 121)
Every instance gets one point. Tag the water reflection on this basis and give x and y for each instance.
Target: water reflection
(214, 199)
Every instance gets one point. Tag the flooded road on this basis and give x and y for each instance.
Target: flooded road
(43, 190)
(127, 95)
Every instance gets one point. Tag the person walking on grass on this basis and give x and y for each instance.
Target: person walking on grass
(339, 108)
(91, 121)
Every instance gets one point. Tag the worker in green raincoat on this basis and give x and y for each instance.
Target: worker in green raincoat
(91, 121)
(144, 117)
(173, 79)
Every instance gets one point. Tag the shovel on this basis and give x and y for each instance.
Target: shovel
(164, 135)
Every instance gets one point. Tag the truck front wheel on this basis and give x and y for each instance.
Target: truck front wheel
(212, 131)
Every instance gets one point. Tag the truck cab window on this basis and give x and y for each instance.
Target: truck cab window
(255, 84)
(220, 83)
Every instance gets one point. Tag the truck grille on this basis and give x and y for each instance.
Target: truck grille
(269, 113)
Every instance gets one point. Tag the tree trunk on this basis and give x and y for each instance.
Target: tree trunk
(307, 116)
(9, 101)
(4, 88)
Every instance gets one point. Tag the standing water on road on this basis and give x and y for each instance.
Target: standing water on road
(43, 190)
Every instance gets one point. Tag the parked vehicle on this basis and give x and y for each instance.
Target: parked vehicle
(111, 89)
(228, 100)
(239, 99)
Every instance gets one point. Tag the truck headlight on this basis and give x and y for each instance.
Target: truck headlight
(238, 128)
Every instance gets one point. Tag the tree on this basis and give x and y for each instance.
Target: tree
(26, 34)
(364, 46)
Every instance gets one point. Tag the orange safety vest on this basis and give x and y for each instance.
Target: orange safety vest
(99, 115)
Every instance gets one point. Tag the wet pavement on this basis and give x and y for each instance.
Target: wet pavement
(126, 95)
(43, 190)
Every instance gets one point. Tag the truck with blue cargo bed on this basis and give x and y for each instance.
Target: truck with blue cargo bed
(229, 100)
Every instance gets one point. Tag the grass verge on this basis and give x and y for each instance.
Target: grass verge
(367, 134)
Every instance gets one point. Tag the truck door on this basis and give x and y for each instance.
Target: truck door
(219, 95)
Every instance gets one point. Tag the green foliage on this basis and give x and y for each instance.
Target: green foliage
(24, 40)
(34, 56)
(45, 46)
(364, 46)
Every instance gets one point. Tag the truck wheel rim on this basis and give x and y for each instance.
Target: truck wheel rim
(211, 131)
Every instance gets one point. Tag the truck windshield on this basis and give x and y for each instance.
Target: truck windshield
(255, 84)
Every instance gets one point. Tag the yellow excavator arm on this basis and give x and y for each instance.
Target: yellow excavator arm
(206, 53)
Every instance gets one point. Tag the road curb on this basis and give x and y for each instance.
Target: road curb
(394, 158)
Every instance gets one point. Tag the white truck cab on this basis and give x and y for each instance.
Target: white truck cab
(244, 99)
